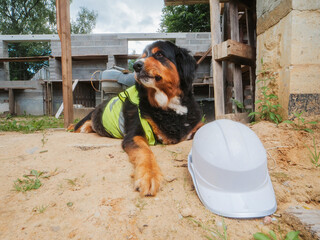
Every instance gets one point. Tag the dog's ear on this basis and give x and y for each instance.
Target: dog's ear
(186, 65)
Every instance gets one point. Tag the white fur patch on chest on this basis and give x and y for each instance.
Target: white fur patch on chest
(175, 105)
(161, 98)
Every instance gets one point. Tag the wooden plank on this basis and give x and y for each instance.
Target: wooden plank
(236, 68)
(63, 15)
(25, 59)
(183, 2)
(216, 66)
(18, 84)
(252, 69)
(234, 51)
(11, 102)
(227, 74)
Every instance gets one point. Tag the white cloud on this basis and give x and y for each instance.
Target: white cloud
(123, 16)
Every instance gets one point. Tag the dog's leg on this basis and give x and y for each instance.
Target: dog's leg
(147, 174)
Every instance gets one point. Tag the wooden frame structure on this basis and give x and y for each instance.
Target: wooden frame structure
(63, 26)
(229, 53)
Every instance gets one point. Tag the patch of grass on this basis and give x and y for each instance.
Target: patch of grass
(29, 124)
(293, 235)
(40, 209)
(301, 124)
(72, 182)
(267, 106)
(140, 204)
(28, 182)
(215, 234)
(314, 154)
(281, 176)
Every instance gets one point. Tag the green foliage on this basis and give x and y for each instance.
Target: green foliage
(301, 124)
(215, 234)
(314, 154)
(28, 182)
(27, 17)
(266, 106)
(35, 17)
(85, 22)
(25, 70)
(130, 64)
(40, 209)
(186, 18)
(29, 124)
(293, 235)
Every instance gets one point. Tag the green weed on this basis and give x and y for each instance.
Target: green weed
(28, 182)
(40, 209)
(266, 106)
(301, 124)
(314, 154)
(215, 234)
(293, 235)
(29, 124)
(140, 204)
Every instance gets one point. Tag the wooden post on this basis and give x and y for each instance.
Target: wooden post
(63, 25)
(11, 102)
(216, 66)
(252, 69)
(236, 68)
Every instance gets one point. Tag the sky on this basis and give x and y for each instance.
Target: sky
(123, 16)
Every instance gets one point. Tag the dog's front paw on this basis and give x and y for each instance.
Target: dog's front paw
(147, 182)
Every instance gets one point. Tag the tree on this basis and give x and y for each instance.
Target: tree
(85, 22)
(35, 17)
(185, 18)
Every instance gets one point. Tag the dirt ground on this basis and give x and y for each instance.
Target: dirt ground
(88, 192)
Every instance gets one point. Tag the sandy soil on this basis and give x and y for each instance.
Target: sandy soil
(89, 192)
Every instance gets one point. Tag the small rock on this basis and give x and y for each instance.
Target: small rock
(55, 228)
(97, 214)
(267, 220)
(186, 212)
(286, 183)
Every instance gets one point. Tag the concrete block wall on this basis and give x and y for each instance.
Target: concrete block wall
(195, 42)
(288, 41)
(4, 66)
(31, 101)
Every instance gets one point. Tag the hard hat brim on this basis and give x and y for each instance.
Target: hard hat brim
(256, 203)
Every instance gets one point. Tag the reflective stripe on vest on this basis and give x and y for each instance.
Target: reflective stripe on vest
(113, 119)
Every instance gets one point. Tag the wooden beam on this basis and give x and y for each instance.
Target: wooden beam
(183, 2)
(234, 51)
(11, 102)
(25, 59)
(18, 84)
(216, 66)
(63, 20)
(237, 75)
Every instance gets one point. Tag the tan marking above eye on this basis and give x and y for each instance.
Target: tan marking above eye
(143, 55)
(154, 50)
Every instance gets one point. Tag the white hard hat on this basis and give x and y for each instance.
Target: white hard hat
(228, 165)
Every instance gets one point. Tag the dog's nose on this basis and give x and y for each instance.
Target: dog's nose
(137, 66)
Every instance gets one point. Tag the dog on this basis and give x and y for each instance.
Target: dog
(159, 108)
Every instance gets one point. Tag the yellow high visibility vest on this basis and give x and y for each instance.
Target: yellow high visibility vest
(113, 119)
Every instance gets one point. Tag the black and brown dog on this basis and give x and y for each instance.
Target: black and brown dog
(163, 98)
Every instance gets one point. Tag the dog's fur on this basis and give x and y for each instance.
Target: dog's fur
(164, 76)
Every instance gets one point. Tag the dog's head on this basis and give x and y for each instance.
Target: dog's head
(166, 71)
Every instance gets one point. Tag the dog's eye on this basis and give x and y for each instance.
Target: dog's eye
(158, 54)
(157, 78)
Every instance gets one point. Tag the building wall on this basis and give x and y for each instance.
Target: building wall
(31, 101)
(288, 41)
